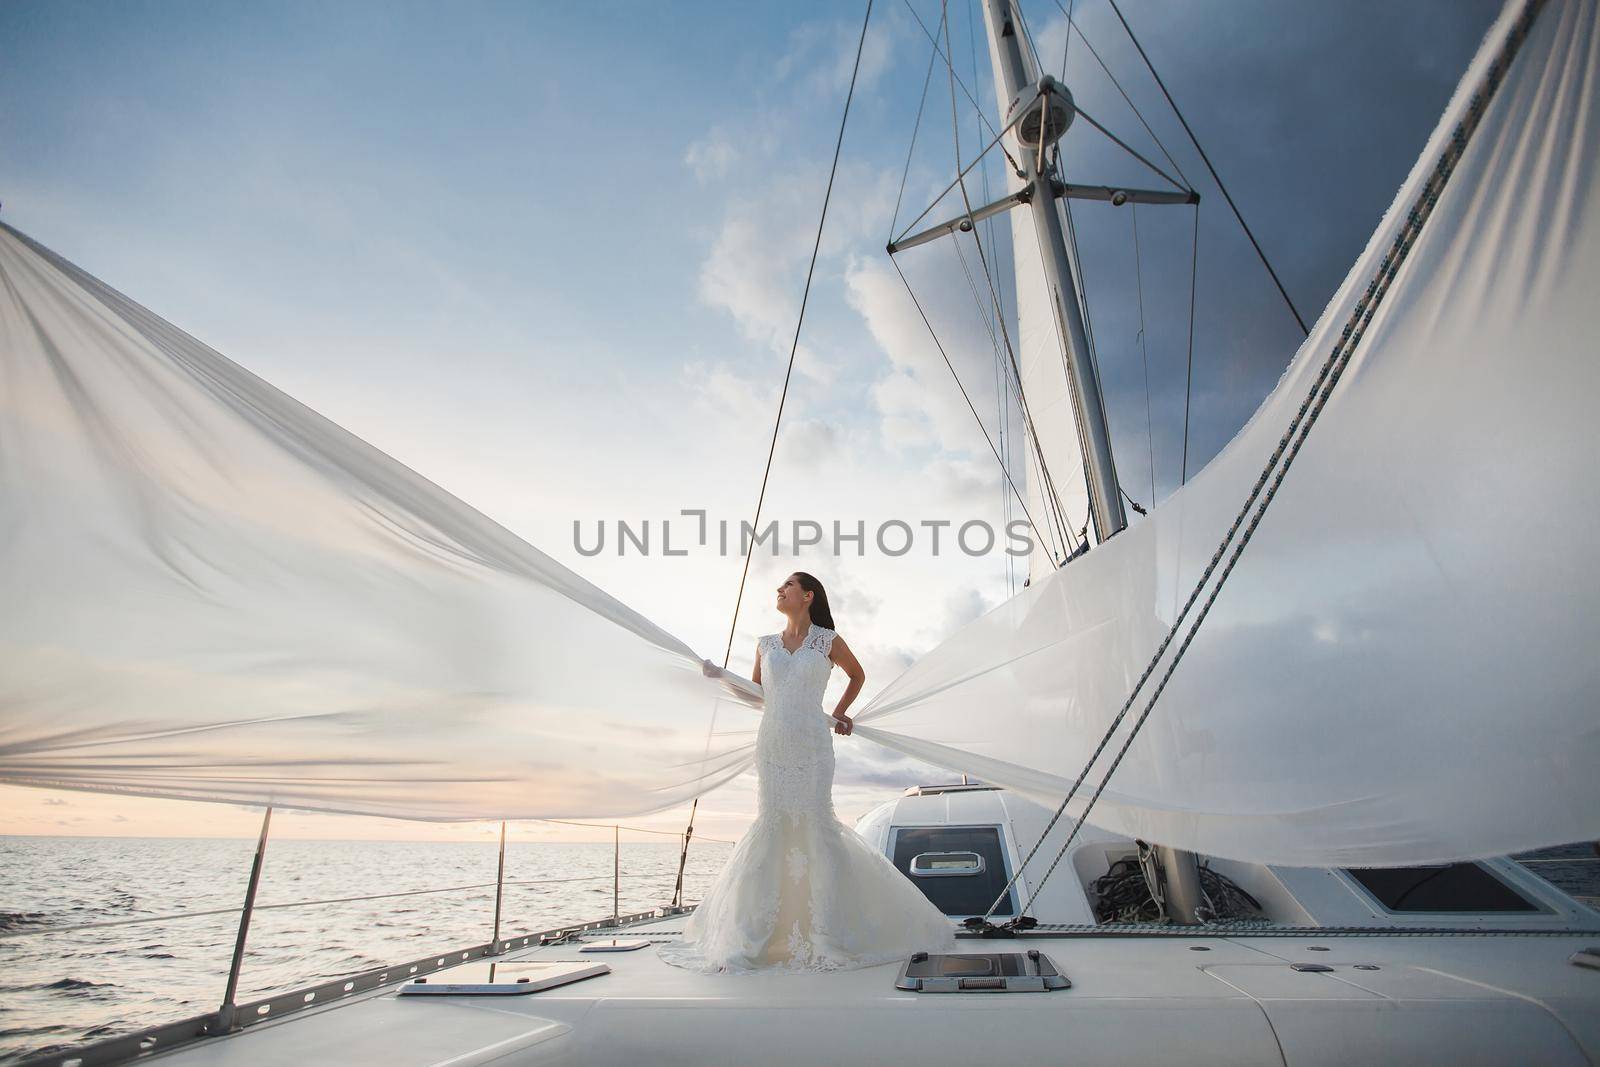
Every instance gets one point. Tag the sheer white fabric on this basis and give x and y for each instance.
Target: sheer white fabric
(801, 890)
(213, 593)
(1401, 669)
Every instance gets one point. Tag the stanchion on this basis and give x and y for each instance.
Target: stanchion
(499, 892)
(225, 1013)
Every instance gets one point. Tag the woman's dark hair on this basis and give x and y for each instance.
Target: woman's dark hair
(820, 614)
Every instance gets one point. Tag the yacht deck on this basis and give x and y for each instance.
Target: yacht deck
(1205, 999)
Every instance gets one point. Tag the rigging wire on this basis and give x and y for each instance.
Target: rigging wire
(1056, 523)
(988, 275)
(1066, 45)
(927, 80)
(940, 346)
(794, 346)
(1283, 456)
(1073, 27)
(788, 374)
(1213, 170)
(1002, 389)
(1144, 355)
(1126, 147)
(1188, 376)
(970, 98)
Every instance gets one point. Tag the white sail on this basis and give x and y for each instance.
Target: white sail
(1050, 423)
(1401, 669)
(213, 593)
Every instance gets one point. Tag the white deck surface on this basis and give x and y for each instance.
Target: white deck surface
(1433, 999)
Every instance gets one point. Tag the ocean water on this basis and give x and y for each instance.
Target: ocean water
(63, 988)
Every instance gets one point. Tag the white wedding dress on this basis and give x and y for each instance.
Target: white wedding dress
(802, 891)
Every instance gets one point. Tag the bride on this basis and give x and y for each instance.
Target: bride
(802, 891)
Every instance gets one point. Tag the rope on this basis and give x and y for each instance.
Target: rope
(794, 347)
(1213, 170)
(1287, 450)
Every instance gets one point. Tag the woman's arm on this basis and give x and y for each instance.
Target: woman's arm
(755, 676)
(846, 660)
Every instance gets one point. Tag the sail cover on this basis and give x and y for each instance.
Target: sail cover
(213, 593)
(1402, 668)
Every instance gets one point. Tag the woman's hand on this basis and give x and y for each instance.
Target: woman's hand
(843, 724)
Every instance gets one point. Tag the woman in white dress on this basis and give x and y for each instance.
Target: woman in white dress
(802, 891)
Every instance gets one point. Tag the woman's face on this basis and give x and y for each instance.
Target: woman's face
(792, 599)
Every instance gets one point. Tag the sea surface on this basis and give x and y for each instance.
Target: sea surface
(61, 987)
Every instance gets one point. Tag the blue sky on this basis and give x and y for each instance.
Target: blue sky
(550, 254)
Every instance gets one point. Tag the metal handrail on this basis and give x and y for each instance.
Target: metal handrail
(167, 1036)
(230, 1017)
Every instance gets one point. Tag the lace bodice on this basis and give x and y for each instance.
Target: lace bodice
(794, 745)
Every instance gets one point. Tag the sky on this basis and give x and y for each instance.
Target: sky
(551, 257)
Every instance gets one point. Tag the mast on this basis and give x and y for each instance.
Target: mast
(1022, 87)
(1016, 75)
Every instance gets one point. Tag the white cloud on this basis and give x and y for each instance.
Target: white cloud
(712, 156)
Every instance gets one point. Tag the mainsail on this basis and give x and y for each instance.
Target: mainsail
(215, 594)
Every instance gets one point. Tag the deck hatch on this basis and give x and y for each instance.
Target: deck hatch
(981, 972)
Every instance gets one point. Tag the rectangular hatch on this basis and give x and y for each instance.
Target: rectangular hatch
(981, 972)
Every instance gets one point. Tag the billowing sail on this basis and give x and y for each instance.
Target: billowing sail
(1402, 668)
(1055, 488)
(213, 593)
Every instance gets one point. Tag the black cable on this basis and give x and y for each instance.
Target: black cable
(1188, 377)
(1214, 176)
(794, 347)
(1144, 358)
(916, 127)
(940, 346)
(1073, 27)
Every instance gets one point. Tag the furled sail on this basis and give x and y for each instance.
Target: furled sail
(214, 593)
(1401, 669)
(1055, 488)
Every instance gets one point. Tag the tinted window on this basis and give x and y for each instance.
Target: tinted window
(957, 894)
(1451, 887)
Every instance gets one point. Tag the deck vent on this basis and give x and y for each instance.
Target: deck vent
(981, 972)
